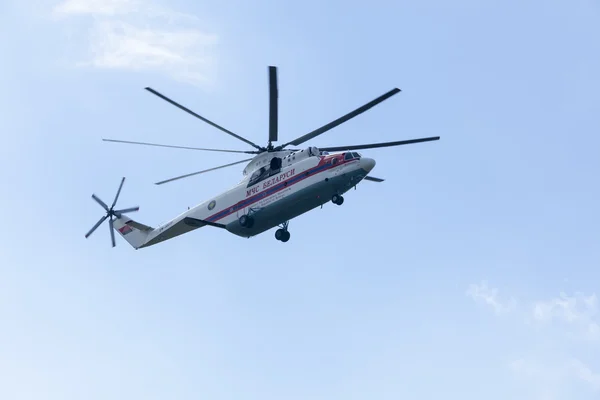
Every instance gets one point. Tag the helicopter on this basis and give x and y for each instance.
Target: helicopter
(279, 183)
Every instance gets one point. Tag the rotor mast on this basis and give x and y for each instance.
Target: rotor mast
(273, 107)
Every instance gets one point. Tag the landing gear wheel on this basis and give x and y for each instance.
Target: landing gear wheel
(279, 234)
(282, 235)
(246, 221)
(337, 199)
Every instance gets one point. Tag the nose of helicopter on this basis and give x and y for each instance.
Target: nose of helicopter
(367, 164)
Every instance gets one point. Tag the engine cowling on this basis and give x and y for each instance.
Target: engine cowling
(301, 155)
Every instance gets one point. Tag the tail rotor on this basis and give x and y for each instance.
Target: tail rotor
(110, 213)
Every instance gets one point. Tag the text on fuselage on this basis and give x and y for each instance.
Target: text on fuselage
(270, 182)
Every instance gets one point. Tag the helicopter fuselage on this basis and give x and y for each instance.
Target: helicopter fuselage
(271, 197)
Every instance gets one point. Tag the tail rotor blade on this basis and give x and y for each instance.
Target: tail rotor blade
(118, 193)
(112, 232)
(103, 204)
(127, 210)
(87, 235)
(111, 214)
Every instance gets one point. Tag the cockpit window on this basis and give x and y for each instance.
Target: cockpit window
(351, 155)
(258, 175)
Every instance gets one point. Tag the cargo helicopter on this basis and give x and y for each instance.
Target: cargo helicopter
(278, 184)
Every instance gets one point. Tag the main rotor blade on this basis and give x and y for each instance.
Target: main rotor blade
(181, 147)
(118, 193)
(112, 231)
(343, 119)
(372, 179)
(201, 172)
(273, 104)
(103, 204)
(187, 110)
(87, 235)
(376, 145)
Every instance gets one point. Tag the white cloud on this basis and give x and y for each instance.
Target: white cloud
(550, 378)
(137, 35)
(482, 293)
(544, 380)
(579, 311)
(585, 374)
(552, 368)
(97, 7)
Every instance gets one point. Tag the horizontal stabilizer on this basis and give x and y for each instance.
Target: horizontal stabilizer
(200, 222)
(373, 179)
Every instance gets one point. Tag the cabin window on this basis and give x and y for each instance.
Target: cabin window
(348, 156)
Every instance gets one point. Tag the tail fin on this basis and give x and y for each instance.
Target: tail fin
(135, 233)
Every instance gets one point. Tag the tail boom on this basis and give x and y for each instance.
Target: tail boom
(139, 235)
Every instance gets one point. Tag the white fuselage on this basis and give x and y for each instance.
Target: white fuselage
(272, 197)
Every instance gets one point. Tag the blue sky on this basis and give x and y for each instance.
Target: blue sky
(471, 272)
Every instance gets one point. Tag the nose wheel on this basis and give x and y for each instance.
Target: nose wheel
(337, 199)
(282, 234)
